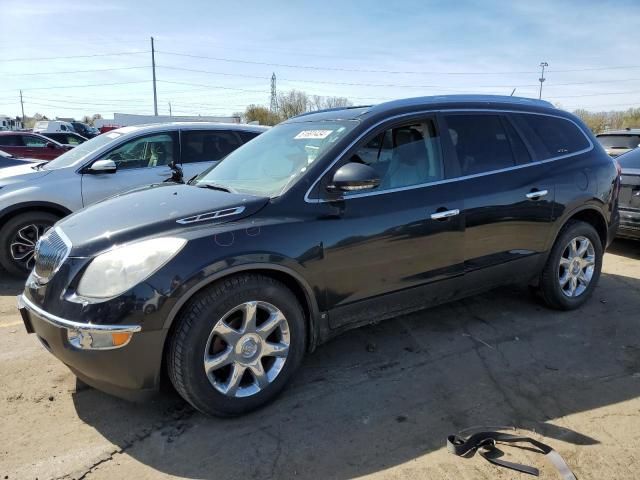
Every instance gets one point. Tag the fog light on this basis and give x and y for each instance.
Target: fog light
(98, 340)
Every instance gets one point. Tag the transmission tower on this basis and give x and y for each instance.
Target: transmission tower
(274, 95)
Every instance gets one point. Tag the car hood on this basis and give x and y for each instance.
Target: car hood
(20, 173)
(164, 208)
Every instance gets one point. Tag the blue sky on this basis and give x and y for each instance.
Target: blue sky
(388, 49)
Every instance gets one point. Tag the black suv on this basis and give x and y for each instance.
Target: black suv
(328, 221)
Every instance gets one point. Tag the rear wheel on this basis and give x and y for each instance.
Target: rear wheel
(236, 345)
(18, 238)
(573, 267)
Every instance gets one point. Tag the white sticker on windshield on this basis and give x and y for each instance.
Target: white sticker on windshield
(317, 134)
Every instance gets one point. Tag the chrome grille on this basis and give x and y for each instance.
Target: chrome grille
(51, 251)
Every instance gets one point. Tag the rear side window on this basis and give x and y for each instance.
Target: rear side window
(630, 160)
(485, 142)
(246, 136)
(10, 140)
(207, 145)
(549, 136)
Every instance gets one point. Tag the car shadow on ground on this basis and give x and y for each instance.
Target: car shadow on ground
(625, 247)
(386, 394)
(10, 285)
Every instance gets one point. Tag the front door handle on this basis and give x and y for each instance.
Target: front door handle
(445, 214)
(537, 194)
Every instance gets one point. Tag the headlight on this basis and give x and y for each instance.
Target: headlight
(117, 270)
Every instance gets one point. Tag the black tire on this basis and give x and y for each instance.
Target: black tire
(549, 288)
(43, 220)
(194, 325)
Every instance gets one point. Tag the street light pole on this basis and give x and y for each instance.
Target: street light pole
(541, 79)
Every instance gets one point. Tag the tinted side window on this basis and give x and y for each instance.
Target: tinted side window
(246, 136)
(551, 136)
(405, 155)
(630, 160)
(207, 145)
(10, 140)
(481, 143)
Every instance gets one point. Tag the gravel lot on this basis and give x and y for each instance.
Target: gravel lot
(376, 402)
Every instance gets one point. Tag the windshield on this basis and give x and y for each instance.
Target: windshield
(276, 159)
(619, 141)
(82, 150)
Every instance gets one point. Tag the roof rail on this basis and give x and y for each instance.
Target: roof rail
(334, 109)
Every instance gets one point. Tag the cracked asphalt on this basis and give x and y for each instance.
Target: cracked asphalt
(376, 402)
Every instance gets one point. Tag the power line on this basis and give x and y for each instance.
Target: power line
(212, 86)
(409, 72)
(335, 69)
(66, 57)
(96, 70)
(84, 86)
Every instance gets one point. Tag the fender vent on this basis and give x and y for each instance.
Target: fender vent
(203, 217)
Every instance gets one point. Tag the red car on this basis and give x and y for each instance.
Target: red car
(30, 145)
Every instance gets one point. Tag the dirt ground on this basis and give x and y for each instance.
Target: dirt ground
(376, 402)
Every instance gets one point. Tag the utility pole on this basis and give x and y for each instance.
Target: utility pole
(273, 106)
(170, 109)
(541, 79)
(22, 106)
(153, 67)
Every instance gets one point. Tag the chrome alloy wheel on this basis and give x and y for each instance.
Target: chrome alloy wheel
(577, 264)
(247, 349)
(23, 244)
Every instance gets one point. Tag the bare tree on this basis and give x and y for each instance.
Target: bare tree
(292, 103)
(319, 102)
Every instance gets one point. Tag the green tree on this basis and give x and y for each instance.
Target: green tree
(262, 115)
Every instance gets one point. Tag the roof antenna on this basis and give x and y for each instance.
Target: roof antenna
(512, 92)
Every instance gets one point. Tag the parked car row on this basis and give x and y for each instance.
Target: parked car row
(60, 126)
(32, 198)
(328, 221)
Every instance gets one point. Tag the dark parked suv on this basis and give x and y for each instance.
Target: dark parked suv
(328, 221)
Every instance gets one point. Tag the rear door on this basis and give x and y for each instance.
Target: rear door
(508, 198)
(12, 144)
(201, 149)
(141, 161)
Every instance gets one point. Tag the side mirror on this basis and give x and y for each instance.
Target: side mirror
(51, 145)
(353, 177)
(103, 166)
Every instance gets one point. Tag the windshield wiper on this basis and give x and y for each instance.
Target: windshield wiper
(215, 186)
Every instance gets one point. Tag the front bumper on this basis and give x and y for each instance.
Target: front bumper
(131, 371)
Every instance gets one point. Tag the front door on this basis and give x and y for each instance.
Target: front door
(140, 161)
(399, 247)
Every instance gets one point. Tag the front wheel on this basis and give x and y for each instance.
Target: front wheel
(237, 344)
(573, 267)
(18, 238)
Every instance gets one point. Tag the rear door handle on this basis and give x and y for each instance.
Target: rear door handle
(537, 194)
(445, 214)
